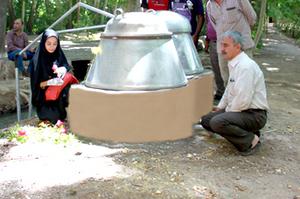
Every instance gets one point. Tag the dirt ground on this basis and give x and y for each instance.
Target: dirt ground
(197, 167)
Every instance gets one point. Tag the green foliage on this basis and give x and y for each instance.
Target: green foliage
(48, 11)
(284, 9)
(286, 14)
(11, 133)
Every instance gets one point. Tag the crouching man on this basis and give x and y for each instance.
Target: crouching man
(242, 111)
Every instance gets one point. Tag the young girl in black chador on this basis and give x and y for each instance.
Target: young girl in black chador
(48, 67)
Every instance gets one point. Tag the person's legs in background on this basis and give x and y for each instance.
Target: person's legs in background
(249, 52)
(13, 56)
(29, 58)
(29, 55)
(223, 65)
(216, 70)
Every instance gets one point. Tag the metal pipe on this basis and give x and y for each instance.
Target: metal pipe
(107, 14)
(27, 47)
(77, 5)
(29, 102)
(80, 29)
(17, 92)
(56, 22)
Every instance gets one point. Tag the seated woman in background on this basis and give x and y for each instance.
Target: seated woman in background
(48, 72)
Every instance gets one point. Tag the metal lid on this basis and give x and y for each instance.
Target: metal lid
(175, 22)
(135, 24)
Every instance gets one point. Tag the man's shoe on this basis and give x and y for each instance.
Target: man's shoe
(251, 151)
(198, 126)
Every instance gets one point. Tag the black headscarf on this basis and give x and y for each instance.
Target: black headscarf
(41, 66)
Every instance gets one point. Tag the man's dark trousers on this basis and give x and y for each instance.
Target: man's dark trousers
(13, 54)
(238, 128)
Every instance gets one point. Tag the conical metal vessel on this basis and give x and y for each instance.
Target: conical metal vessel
(136, 52)
(181, 29)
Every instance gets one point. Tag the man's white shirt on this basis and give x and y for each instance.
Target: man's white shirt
(246, 86)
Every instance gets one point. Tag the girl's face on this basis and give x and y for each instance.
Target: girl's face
(51, 44)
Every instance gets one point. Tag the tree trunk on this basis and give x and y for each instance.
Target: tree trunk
(47, 5)
(11, 13)
(70, 18)
(96, 18)
(78, 14)
(31, 16)
(132, 5)
(104, 8)
(261, 23)
(116, 5)
(3, 16)
(23, 10)
(96, 3)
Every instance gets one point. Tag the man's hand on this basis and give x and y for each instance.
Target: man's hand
(24, 55)
(32, 50)
(206, 46)
(215, 109)
(195, 39)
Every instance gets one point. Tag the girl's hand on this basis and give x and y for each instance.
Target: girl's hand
(60, 71)
(43, 84)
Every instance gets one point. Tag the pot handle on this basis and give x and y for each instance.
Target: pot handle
(151, 11)
(119, 11)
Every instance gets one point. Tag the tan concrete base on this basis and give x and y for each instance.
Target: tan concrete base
(139, 116)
